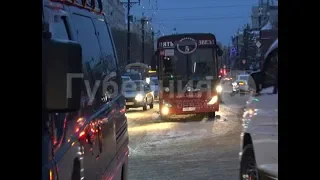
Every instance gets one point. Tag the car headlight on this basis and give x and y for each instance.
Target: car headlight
(138, 97)
(213, 100)
(148, 80)
(165, 110)
(219, 88)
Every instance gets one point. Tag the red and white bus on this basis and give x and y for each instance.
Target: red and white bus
(188, 74)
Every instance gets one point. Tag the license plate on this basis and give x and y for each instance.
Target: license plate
(188, 109)
(129, 103)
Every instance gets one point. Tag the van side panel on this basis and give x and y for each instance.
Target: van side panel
(94, 144)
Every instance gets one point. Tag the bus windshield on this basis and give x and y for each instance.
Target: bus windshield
(199, 65)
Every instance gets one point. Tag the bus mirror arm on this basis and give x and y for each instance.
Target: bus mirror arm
(219, 50)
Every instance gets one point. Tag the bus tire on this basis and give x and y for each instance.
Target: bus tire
(211, 114)
(163, 117)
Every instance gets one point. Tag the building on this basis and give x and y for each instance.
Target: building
(269, 12)
(115, 14)
(273, 16)
(136, 27)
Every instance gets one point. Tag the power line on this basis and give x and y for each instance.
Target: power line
(204, 7)
(201, 18)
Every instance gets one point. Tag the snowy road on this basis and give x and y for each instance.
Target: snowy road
(190, 147)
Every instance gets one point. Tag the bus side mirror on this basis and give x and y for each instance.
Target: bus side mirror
(61, 75)
(255, 81)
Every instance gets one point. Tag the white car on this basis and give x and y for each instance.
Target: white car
(259, 139)
(155, 86)
(241, 83)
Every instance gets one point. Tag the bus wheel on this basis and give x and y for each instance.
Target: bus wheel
(163, 117)
(211, 114)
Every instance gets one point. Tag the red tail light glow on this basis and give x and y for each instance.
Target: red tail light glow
(82, 134)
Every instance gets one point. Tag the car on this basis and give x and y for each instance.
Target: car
(138, 93)
(91, 143)
(133, 75)
(125, 78)
(259, 138)
(226, 79)
(241, 84)
(155, 86)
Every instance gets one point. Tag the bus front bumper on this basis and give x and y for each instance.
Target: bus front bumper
(179, 110)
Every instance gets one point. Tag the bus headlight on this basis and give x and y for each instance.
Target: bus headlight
(219, 88)
(138, 97)
(165, 110)
(213, 100)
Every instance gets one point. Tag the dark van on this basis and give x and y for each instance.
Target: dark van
(92, 142)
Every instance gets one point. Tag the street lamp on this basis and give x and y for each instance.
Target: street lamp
(259, 50)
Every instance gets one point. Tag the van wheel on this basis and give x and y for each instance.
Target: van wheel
(248, 166)
(145, 107)
(151, 105)
(212, 114)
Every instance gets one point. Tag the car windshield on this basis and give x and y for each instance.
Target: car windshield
(125, 78)
(134, 76)
(135, 86)
(154, 81)
(244, 78)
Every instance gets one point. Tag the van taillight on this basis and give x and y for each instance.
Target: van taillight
(51, 175)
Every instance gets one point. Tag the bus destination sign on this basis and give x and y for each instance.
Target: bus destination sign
(187, 41)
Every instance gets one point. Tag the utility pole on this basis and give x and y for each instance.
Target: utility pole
(260, 19)
(153, 53)
(129, 4)
(143, 21)
(237, 41)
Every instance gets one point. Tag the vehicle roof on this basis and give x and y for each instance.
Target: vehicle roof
(82, 7)
(137, 64)
(186, 34)
(125, 73)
